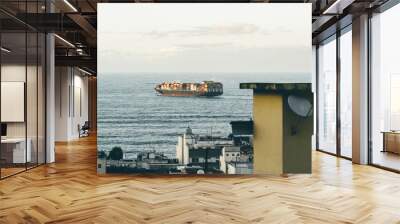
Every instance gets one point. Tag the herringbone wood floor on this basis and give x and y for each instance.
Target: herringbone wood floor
(69, 191)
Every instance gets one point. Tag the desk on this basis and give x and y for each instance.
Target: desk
(13, 150)
(391, 141)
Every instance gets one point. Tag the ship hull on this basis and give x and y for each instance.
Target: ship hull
(187, 93)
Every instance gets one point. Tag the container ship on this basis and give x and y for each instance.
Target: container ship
(205, 88)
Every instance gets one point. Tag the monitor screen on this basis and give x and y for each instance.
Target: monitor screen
(3, 129)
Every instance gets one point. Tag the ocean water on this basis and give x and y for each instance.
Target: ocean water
(131, 115)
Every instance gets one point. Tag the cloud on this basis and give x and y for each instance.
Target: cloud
(195, 46)
(283, 29)
(215, 30)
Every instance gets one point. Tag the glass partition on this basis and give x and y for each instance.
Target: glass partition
(314, 89)
(14, 153)
(346, 93)
(327, 96)
(22, 77)
(385, 89)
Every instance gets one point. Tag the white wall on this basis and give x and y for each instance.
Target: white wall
(62, 81)
(71, 87)
(81, 84)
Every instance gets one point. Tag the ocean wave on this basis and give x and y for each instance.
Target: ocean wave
(136, 143)
(164, 117)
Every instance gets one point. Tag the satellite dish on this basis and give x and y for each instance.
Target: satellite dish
(200, 171)
(300, 105)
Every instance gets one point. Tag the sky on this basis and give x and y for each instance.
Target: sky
(204, 38)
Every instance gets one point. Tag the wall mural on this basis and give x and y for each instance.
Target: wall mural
(175, 93)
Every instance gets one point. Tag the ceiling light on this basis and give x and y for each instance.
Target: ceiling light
(5, 50)
(337, 7)
(79, 51)
(70, 5)
(64, 40)
(84, 71)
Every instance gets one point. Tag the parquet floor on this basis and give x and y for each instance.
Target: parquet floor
(11, 170)
(69, 191)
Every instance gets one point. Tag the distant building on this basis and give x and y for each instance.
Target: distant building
(242, 135)
(283, 127)
(239, 168)
(235, 161)
(190, 169)
(155, 160)
(229, 153)
(101, 165)
(201, 150)
(242, 128)
(149, 161)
